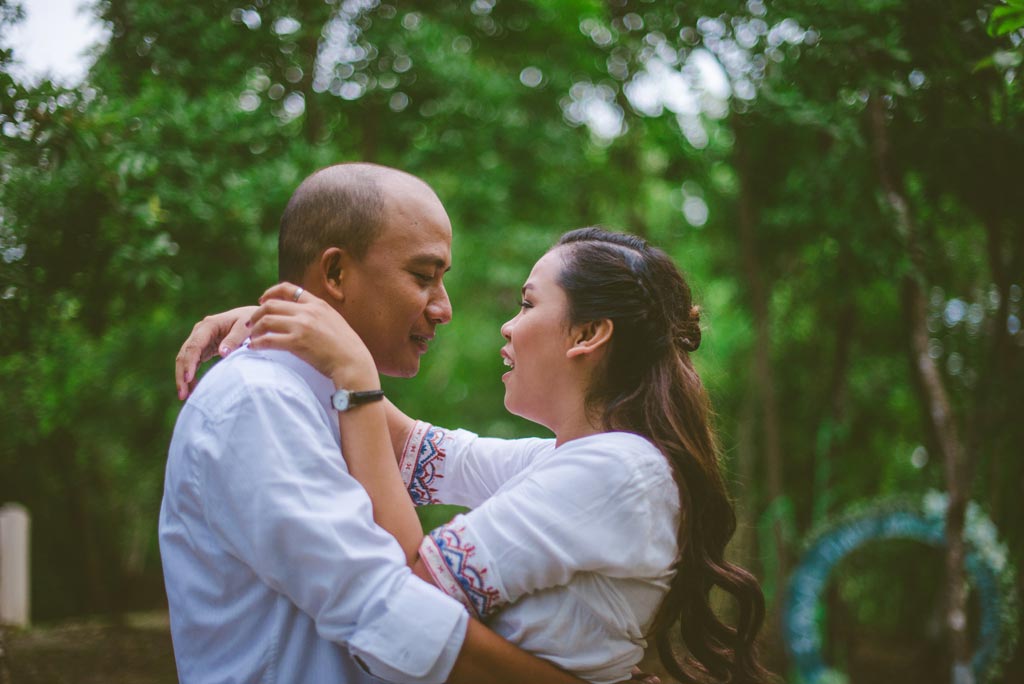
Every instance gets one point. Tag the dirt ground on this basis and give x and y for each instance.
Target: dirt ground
(138, 651)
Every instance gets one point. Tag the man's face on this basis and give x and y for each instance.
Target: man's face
(394, 296)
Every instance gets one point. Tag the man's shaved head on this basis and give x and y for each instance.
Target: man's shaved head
(339, 206)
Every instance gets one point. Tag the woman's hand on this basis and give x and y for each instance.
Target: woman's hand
(314, 331)
(220, 333)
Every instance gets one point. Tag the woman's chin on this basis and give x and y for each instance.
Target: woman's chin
(512, 407)
(524, 412)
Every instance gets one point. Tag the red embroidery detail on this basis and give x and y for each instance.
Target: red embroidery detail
(429, 461)
(458, 554)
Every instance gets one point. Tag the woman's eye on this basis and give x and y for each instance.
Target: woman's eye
(525, 304)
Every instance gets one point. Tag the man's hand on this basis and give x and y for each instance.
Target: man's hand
(645, 678)
(220, 333)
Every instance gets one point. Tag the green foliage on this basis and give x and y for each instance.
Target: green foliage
(1006, 19)
(148, 196)
(433, 516)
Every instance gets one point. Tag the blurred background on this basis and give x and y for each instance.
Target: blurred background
(840, 181)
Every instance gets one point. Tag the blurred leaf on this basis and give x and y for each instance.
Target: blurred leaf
(433, 516)
(1006, 19)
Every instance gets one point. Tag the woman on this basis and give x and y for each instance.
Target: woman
(578, 547)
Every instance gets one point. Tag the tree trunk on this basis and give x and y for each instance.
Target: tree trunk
(764, 381)
(831, 424)
(742, 550)
(939, 411)
(988, 413)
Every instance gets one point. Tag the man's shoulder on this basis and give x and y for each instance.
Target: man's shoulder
(247, 375)
(250, 409)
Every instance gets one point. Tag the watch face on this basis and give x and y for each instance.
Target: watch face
(340, 400)
(343, 399)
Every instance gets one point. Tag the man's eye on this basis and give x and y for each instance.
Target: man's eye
(424, 277)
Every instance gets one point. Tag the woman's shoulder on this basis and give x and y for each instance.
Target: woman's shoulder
(623, 473)
(631, 455)
(618, 444)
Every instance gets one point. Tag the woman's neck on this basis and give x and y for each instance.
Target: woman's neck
(581, 424)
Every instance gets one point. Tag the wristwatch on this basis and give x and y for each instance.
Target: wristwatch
(344, 399)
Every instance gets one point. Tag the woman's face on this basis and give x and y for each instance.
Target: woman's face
(538, 339)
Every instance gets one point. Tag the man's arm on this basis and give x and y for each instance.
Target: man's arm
(488, 659)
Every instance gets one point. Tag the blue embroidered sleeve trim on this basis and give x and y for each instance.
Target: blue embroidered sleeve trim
(451, 561)
(422, 462)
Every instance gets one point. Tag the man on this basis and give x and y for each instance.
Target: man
(274, 568)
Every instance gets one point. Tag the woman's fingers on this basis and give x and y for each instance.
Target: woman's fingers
(283, 291)
(198, 348)
(270, 339)
(273, 323)
(314, 317)
(234, 339)
(274, 307)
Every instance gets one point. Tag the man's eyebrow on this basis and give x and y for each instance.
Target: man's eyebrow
(431, 260)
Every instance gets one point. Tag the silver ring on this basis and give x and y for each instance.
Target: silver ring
(298, 293)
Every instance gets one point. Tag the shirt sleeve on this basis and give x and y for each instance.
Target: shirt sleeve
(276, 493)
(593, 508)
(439, 465)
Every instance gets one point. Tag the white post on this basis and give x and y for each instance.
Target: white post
(14, 527)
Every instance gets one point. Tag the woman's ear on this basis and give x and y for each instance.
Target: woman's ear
(590, 337)
(332, 272)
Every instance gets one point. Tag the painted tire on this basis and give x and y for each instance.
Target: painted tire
(986, 567)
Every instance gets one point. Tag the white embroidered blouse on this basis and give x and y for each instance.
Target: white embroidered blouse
(567, 552)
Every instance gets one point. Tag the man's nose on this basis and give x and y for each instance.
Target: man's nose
(439, 310)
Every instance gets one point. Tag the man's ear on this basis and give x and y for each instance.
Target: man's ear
(590, 337)
(331, 266)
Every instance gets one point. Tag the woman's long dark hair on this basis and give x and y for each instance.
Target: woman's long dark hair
(650, 387)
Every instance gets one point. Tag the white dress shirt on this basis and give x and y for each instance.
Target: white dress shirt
(275, 570)
(568, 551)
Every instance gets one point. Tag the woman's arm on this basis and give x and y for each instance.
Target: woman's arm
(366, 446)
(399, 427)
(222, 333)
